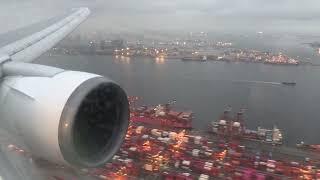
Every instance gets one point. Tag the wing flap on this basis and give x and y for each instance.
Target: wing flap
(31, 47)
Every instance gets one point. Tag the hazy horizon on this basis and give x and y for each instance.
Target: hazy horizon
(230, 16)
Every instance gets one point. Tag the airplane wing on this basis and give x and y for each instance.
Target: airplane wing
(14, 56)
(69, 118)
(32, 46)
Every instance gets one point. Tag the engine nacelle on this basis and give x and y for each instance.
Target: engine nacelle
(74, 118)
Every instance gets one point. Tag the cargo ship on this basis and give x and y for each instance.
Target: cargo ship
(195, 58)
(289, 83)
(162, 115)
(234, 127)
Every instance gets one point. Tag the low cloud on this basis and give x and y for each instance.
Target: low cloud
(135, 15)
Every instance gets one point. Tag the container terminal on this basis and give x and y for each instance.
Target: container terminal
(226, 151)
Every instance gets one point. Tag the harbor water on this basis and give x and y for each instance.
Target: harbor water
(207, 87)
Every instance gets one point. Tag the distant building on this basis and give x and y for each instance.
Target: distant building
(118, 44)
(103, 44)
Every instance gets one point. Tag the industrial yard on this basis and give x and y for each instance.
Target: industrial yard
(155, 151)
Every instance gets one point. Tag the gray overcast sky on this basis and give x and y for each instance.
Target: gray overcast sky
(189, 15)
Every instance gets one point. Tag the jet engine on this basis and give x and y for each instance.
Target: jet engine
(74, 118)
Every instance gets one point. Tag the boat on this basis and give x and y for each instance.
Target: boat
(234, 127)
(162, 122)
(162, 115)
(204, 58)
(273, 136)
(195, 58)
(289, 83)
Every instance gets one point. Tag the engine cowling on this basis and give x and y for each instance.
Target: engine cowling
(74, 118)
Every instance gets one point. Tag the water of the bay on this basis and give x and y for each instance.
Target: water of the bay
(206, 88)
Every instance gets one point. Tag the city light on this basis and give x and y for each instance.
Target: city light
(160, 60)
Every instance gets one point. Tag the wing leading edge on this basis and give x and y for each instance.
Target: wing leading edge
(31, 47)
